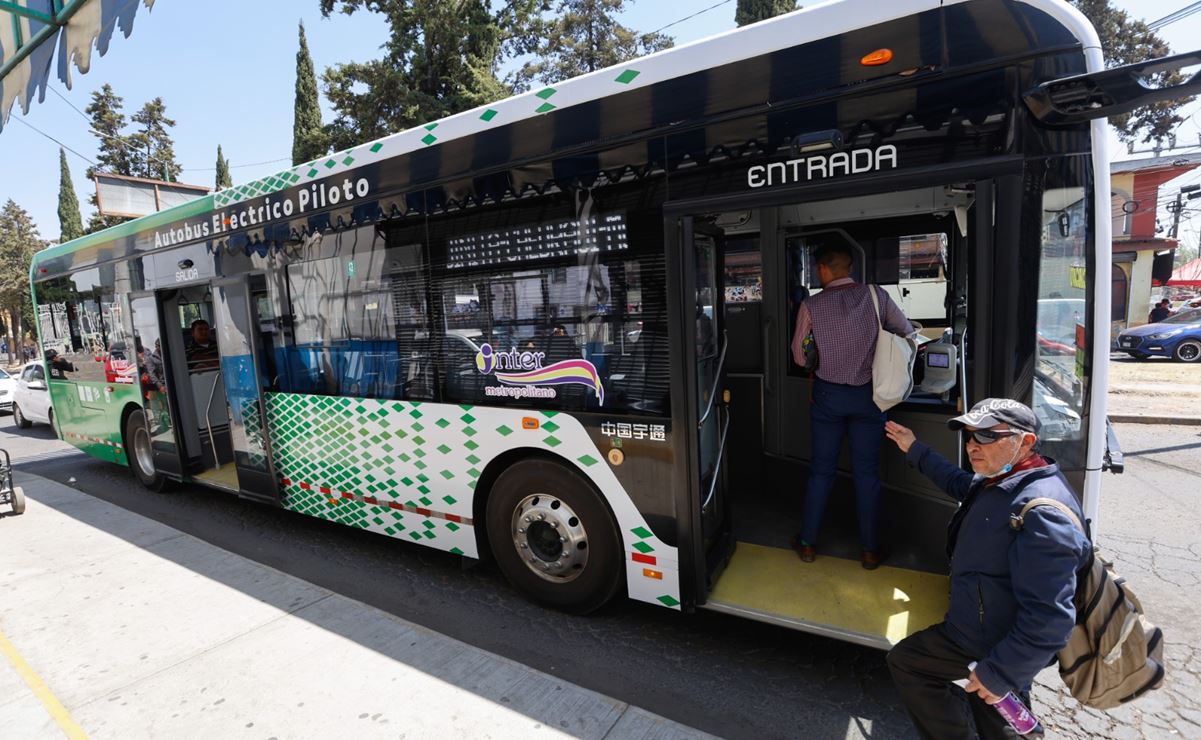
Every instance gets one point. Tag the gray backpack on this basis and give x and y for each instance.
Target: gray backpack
(1114, 653)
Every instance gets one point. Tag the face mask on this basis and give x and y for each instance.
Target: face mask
(1009, 465)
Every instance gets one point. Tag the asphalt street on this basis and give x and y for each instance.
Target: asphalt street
(719, 674)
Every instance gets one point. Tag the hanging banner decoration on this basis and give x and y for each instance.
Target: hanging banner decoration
(524, 372)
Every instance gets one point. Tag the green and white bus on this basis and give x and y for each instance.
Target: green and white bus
(553, 330)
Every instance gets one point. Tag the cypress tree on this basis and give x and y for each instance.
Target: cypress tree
(753, 11)
(223, 178)
(70, 222)
(308, 138)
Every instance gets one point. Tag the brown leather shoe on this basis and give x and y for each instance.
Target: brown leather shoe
(808, 553)
(870, 559)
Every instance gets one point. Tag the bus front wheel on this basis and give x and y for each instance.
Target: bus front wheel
(553, 537)
(139, 453)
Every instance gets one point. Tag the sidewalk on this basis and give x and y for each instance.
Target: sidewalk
(113, 625)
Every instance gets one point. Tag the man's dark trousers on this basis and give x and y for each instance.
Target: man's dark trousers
(923, 666)
(836, 410)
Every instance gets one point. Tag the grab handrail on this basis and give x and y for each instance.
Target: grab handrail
(721, 449)
(208, 423)
(725, 344)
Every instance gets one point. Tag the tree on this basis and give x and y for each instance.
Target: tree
(1125, 40)
(107, 124)
(223, 178)
(308, 137)
(753, 11)
(441, 58)
(70, 223)
(152, 150)
(18, 241)
(584, 36)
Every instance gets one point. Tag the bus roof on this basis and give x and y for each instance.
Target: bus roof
(820, 21)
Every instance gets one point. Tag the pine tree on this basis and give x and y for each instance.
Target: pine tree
(223, 178)
(1125, 40)
(584, 36)
(152, 150)
(308, 137)
(69, 221)
(753, 11)
(108, 122)
(441, 58)
(18, 241)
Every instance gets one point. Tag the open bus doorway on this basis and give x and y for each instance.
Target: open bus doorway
(917, 244)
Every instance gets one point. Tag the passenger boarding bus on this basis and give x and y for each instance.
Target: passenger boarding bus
(554, 330)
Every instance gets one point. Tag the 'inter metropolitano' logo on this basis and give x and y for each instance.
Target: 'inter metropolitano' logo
(525, 369)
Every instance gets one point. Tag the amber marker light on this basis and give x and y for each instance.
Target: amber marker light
(658, 576)
(876, 58)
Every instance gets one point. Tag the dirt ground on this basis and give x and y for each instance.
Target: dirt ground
(1156, 386)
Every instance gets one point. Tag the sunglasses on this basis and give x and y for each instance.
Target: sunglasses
(987, 436)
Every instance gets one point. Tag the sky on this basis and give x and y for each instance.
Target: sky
(226, 71)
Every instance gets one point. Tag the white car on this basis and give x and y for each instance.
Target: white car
(31, 399)
(8, 385)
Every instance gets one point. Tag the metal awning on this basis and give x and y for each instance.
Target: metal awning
(34, 33)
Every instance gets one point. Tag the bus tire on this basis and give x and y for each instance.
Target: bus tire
(553, 537)
(19, 418)
(1188, 351)
(139, 454)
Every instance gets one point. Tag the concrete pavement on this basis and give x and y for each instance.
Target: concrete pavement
(114, 625)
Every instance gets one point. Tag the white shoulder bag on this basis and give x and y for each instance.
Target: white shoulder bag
(892, 368)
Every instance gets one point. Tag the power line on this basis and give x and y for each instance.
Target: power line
(1179, 15)
(56, 141)
(690, 17)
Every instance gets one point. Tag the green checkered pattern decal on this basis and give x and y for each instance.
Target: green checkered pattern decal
(409, 470)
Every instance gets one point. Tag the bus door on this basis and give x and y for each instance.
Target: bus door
(236, 308)
(706, 355)
(156, 383)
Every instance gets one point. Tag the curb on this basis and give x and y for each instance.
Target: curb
(1193, 421)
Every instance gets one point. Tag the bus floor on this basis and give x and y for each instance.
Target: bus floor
(225, 477)
(835, 595)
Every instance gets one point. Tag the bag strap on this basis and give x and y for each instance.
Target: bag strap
(1017, 520)
(876, 303)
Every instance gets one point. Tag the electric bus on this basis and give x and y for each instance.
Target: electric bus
(553, 330)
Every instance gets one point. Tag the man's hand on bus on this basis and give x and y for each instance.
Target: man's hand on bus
(903, 436)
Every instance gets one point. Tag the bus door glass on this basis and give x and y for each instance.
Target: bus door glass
(155, 381)
(705, 244)
(236, 305)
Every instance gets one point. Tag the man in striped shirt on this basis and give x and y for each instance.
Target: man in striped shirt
(844, 327)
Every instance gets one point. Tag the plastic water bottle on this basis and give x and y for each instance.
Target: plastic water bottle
(1010, 707)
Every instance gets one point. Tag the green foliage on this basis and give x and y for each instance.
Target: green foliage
(441, 58)
(151, 147)
(107, 124)
(753, 11)
(308, 137)
(1125, 40)
(19, 240)
(69, 221)
(224, 180)
(582, 37)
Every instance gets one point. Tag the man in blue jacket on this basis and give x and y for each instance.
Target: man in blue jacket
(1012, 584)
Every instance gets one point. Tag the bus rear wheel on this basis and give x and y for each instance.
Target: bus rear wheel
(140, 454)
(553, 537)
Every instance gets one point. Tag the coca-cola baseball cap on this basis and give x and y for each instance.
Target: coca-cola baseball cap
(993, 411)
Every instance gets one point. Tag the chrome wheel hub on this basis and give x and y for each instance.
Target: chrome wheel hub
(142, 454)
(550, 538)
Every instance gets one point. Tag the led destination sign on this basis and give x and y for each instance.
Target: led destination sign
(565, 238)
